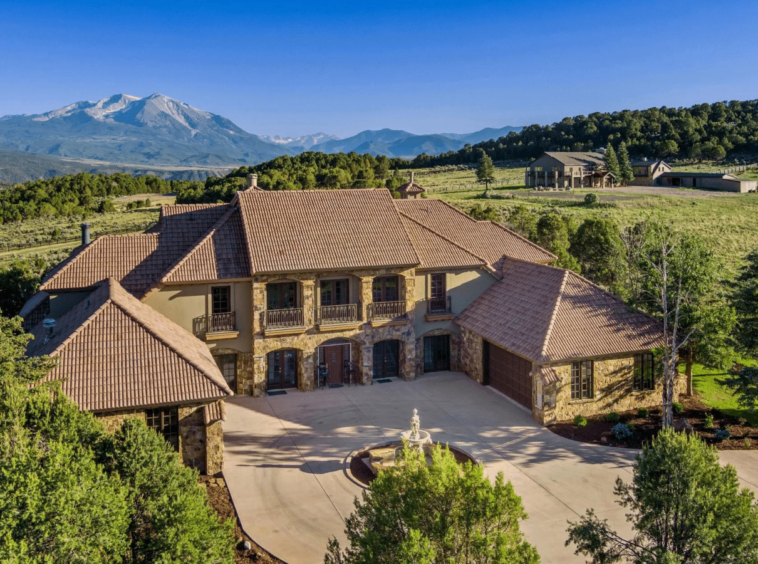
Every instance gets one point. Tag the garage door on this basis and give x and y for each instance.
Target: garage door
(509, 374)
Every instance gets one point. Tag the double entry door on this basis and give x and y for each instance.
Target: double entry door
(437, 353)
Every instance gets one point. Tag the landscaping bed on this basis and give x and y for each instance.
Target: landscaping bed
(221, 501)
(598, 430)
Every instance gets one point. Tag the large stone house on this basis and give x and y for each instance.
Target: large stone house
(586, 170)
(301, 289)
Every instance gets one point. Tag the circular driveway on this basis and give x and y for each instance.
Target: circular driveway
(285, 459)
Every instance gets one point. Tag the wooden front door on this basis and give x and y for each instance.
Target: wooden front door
(511, 375)
(437, 353)
(334, 357)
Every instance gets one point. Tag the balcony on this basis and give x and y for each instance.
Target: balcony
(439, 309)
(387, 313)
(336, 317)
(216, 326)
(283, 321)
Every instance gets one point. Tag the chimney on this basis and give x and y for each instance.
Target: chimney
(411, 177)
(252, 181)
(85, 234)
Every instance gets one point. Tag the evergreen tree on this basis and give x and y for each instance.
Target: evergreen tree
(416, 513)
(684, 508)
(612, 163)
(745, 302)
(600, 252)
(485, 172)
(553, 233)
(626, 171)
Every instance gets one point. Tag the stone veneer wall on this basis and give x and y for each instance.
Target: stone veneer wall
(470, 355)
(200, 447)
(614, 391)
(362, 338)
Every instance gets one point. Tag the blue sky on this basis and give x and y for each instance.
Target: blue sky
(292, 68)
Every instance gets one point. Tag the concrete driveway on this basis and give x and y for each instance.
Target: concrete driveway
(285, 459)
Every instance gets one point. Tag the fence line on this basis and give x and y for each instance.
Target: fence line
(474, 186)
(741, 168)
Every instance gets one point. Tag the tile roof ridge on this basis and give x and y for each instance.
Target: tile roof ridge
(195, 246)
(96, 313)
(245, 230)
(441, 236)
(531, 243)
(115, 298)
(405, 230)
(82, 250)
(553, 316)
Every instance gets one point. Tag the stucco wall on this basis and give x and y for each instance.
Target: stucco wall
(187, 304)
(463, 287)
(62, 302)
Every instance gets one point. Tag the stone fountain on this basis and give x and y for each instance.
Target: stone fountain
(381, 458)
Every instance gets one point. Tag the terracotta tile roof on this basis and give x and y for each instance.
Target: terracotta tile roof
(136, 261)
(410, 188)
(549, 314)
(117, 353)
(291, 231)
(486, 239)
(435, 251)
(220, 255)
(213, 412)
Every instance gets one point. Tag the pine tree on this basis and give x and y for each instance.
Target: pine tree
(486, 171)
(625, 166)
(612, 163)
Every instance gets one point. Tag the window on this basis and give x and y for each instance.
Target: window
(644, 377)
(221, 299)
(437, 293)
(537, 169)
(581, 380)
(227, 363)
(282, 295)
(385, 289)
(334, 292)
(166, 422)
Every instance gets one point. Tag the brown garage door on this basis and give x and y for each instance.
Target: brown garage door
(509, 374)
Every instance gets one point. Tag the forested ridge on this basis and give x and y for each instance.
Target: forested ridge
(78, 194)
(302, 172)
(703, 131)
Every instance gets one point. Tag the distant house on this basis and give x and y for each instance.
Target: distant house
(647, 172)
(410, 190)
(707, 180)
(569, 170)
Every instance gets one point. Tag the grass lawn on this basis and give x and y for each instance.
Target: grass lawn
(727, 222)
(706, 384)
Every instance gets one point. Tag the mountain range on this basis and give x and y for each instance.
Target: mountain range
(163, 136)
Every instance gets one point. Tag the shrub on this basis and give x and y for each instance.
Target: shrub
(708, 423)
(632, 427)
(722, 434)
(613, 417)
(643, 412)
(591, 199)
(678, 407)
(580, 421)
(621, 431)
(106, 206)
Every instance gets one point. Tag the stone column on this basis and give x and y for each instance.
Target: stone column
(366, 368)
(545, 175)
(309, 302)
(307, 361)
(366, 295)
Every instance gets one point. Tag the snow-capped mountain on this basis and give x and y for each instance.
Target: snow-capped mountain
(304, 141)
(126, 129)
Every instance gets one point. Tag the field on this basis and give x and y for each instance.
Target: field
(726, 220)
(38, 237)
(439, 178)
